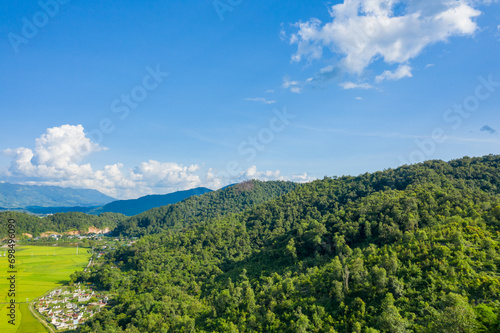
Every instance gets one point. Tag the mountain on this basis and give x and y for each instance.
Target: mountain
(20, 196)
(413, 249)
(142, 204)
(54, 210)
(228, 200)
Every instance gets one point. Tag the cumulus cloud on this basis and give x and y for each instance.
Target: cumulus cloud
(57, 154)
(168, 175)
(401, 72)
(394, 30)
(253, 173)
(58, 159)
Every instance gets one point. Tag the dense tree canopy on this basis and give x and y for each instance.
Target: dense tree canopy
(415, 249)
(60, 222)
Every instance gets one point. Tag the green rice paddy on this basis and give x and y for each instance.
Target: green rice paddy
(39, 269)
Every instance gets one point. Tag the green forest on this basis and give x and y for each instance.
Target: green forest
(413, 249)
(60, 222)
(233, 199)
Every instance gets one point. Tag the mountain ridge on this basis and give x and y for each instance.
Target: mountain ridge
(133, 207)
(14, 196)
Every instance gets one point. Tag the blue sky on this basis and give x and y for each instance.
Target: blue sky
(134, 98)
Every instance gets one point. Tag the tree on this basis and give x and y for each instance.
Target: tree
(390, 320)
(457, 317)
(291, 250)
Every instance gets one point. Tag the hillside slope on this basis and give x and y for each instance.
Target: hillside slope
(416, 249)
(60, 222)
(232, 199)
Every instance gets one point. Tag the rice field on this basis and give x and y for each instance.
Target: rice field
(39, 269)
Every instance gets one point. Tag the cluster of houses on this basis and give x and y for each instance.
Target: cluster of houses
(66, 308)
(57, 237)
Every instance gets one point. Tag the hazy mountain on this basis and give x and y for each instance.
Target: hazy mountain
(20, 196)
(55, 210)
(142, 204)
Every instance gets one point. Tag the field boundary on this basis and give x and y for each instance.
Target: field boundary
(35, 313)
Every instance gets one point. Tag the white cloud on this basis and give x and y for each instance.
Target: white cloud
(302, 178)
(401, 72)
(260, 99)
(359, 98)
(168, 175)
(253, 173)
(294, 86)
(364, 30)
(352, 85)
(58, 156)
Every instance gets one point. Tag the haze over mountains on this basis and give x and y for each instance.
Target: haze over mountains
(22, 196)
(53, 199)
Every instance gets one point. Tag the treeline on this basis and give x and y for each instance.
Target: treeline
(233, 199)
(61, 222)
(416, 249)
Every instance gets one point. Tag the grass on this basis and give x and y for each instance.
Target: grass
(39, 269)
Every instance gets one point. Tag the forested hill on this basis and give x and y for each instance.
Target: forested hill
(142, 204)
(415, 249)
(233, 199)
(60, 222)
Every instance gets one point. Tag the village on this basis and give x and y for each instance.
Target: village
(68, 307)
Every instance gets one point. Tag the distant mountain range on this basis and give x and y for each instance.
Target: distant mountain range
(22, 196)
(52, 199)
(142, 204)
